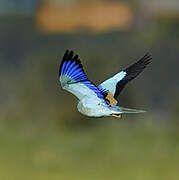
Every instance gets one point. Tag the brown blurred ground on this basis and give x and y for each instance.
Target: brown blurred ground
(94, 16)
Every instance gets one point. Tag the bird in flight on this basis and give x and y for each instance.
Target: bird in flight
(101, 100)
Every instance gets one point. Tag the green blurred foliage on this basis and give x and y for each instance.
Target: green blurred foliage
(116, 149)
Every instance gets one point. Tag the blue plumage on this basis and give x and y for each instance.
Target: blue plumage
(72, 71)
(103, 90)
(93, 88)
(72, 68)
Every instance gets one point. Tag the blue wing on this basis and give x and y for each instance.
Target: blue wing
(116, 83)
(73, 78)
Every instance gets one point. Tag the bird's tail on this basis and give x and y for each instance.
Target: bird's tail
(121, 110)
(127, 110)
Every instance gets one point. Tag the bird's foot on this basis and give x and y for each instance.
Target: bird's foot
(116, 115)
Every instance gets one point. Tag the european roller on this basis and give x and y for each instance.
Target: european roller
(101, 100)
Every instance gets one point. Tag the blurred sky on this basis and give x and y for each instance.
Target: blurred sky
(26, 7)
(29, 6)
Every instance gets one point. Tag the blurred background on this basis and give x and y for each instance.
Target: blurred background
(42, 135)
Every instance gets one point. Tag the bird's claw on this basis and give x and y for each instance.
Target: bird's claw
(116, 116)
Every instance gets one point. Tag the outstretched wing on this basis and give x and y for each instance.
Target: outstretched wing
(116, 83)
(73, 78)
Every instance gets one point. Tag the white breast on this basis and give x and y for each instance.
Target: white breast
(92, 108)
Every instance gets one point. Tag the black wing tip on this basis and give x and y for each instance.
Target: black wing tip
(69, 55)
(146, 59)
(135, 69)
(142, 62)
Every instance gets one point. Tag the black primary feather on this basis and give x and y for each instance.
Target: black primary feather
(132, 72)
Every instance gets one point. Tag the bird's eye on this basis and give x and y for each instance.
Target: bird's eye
(108, 102)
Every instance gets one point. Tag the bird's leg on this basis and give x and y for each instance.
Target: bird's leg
(116, 115)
